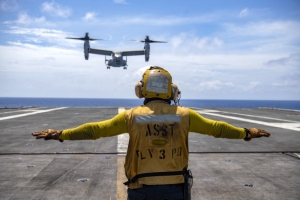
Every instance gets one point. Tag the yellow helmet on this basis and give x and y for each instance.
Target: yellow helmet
(156, 83)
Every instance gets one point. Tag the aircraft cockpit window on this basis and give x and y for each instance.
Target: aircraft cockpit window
(118, 54)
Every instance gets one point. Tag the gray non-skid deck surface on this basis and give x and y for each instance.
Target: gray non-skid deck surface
(267, 168)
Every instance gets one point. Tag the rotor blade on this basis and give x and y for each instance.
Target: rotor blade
(74, 38)
(92, 39)
(152, 41)
(83, 38)
(147, 39)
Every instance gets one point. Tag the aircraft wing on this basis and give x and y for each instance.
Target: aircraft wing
(133, 53)
(101, 52)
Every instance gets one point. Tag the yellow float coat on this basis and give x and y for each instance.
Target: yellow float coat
(158, 138)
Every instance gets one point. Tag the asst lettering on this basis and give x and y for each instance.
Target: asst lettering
(160, 130)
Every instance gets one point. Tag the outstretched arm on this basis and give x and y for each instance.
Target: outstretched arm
(93, 130)
(219, 129)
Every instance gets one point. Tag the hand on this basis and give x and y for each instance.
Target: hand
(49, 134)
(256, 133)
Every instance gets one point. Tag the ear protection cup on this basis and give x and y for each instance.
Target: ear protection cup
(138, 89)
(175, 92)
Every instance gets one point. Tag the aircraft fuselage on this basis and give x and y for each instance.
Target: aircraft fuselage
(116, 61)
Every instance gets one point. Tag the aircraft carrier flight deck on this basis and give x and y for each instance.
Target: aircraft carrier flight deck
(265, 168)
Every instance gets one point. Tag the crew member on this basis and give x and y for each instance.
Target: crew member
(157, 155)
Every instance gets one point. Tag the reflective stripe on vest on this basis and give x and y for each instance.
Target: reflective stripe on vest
(157, 118)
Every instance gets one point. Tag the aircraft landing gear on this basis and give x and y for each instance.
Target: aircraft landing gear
(124, 67)
(108, 67)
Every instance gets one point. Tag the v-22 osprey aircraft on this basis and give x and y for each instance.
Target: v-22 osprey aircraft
(117, 57)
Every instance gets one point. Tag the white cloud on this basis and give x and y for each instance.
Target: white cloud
(90, 16)
(207, 43)
(263, 37)
(185, 42)
(289, 83)
(265, 29)
(120, 1)
(176, 41)
(287, 71)
(253, 85)
(35, 31)
(25, 19)
(9, 5)
(244, 12)
(150, 20)
(56, 9)
(42, 35)
(291, 60)
(214, 85)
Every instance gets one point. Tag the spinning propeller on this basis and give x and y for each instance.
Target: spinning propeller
(147, 40)
(86, 37)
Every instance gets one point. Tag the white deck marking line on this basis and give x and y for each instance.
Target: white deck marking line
(249, 115)
(123, 139)
(32, 113)
(25, 110)
(121, 178)
(295, 126)
(297, 155)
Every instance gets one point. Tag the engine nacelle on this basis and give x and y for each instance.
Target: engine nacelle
(147, 51)
(86, 55)
(86, 48)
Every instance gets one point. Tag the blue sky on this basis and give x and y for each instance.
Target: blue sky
(226, 49)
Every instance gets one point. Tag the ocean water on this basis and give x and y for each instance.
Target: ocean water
(10, 102)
